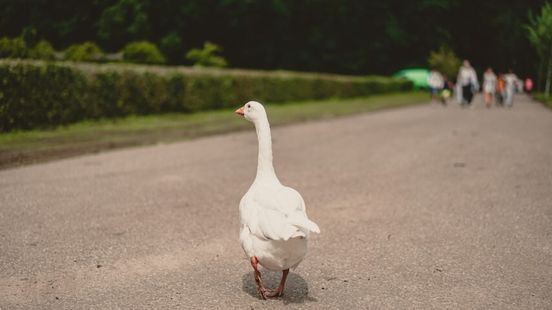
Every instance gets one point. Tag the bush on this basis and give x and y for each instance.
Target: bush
(87, 51)
(143, 52)
(36, 94)
(17, 48)
(445, 61)
(42, 50)
(13, 48)
(206, 57)
(546, 100)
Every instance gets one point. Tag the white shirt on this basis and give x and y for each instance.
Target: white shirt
(435, 80)
(489, 82)
(510, 80)
(467, 76)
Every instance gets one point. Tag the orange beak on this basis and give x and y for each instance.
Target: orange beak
(239, 111)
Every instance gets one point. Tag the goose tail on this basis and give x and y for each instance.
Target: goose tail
(307, 225)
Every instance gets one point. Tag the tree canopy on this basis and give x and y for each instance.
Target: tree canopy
(539, 33)
(343, 36)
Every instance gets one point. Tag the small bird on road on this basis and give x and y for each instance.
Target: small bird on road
(274, 223)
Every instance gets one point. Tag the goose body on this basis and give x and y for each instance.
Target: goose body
(274, 226)
(274, 223)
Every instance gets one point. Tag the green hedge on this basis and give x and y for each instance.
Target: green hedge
(36, 94)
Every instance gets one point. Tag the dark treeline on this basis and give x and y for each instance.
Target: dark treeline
(355, 36)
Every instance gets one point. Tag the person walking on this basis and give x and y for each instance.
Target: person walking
(510, 81)
(448, 86)
(436, 82)
(467, 79)
(528, 85)
(489, 84)
(500, 89)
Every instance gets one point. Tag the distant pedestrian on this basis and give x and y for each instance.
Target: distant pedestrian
(467, 79)
(489, 85)
(448, 86)
(511, 84)
(435, 81)
(528, 85)
(500, 90)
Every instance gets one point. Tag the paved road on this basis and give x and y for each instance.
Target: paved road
(421, 207)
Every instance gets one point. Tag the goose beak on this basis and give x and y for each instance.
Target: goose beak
(239, 111)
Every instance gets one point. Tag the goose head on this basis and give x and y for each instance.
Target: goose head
(253, 111)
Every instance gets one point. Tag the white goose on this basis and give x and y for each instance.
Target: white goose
(274, 223)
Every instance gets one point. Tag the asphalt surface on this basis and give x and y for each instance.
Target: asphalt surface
(421, 207)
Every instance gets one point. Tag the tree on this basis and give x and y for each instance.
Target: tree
(124, 21)
(539, 33)
(171, 46)
(28, 34)
(445, 61)
(206, 57)
(355, 36)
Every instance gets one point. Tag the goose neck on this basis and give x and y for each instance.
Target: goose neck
(265, 168)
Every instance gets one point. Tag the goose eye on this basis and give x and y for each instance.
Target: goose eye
(248, 106)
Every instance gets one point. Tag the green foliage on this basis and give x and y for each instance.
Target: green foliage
(171, 46)
(37, 94)
(87, 51)
(378, 37)
(42, 50)
(207, 56)
(125, 21)
(17, 48)
(445, 61)
(539, 30)
(13, 48)
(143, 52)
(546, 100)
(539, 33)
(29, 36)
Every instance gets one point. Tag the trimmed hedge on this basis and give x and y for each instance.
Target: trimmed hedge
(37, 94)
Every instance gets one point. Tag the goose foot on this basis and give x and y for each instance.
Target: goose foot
(280, 290)
(261, 290)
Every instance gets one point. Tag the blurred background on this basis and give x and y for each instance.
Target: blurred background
(351, 37)
(65, 62)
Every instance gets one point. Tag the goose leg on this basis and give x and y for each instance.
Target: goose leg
(280, 290)
(258, 282)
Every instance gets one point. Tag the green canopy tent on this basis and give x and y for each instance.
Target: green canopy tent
(418, 76)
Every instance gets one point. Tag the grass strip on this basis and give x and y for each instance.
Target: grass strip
(25, 147)
(546, 100)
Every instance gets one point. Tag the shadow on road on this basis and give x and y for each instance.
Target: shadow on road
(296, 291)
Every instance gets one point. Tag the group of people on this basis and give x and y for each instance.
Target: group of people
(499, 89)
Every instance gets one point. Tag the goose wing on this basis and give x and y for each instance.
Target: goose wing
(278, 214)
